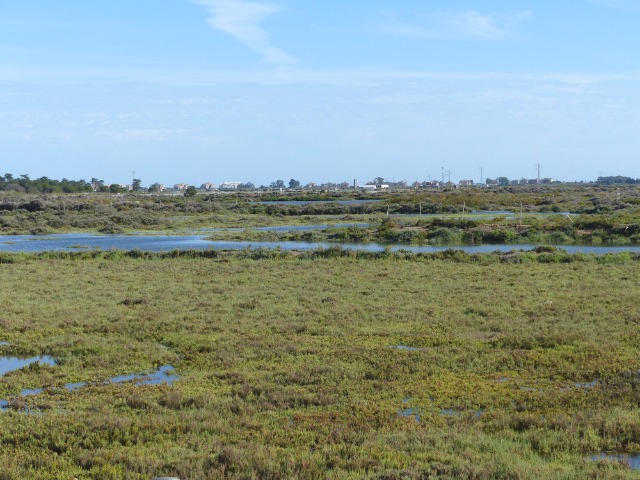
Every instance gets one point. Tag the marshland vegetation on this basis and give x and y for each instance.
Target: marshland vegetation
(329, 363)
(519, 365)
(543, 214)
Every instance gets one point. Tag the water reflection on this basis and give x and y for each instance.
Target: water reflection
(163, 243)
(9, 364)
(410, 412)
(633, 460)
(164, 375)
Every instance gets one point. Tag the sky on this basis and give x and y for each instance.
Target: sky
(195, 91)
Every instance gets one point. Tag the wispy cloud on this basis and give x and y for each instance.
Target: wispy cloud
(243, 20)
(143, 134)
(466, 24)
(14, 79)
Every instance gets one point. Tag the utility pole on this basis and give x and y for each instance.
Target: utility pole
(520, 213)
(481, 178)
(539, 167)
(449, 175)
(442, 174)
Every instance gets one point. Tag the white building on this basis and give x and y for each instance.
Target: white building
(229, 185)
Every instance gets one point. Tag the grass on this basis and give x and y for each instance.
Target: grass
(603, 220)
(615, 206)
(288, 368)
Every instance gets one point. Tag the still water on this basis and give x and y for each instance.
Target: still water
(160, 243)
(9, 364)
(164, 375)
(633, 460)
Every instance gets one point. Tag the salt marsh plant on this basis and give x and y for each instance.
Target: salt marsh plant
(518, 365)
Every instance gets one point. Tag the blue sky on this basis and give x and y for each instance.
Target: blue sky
(224, 90)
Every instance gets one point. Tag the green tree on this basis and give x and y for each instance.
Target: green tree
(191, 191)
(96, 183)
(136, 184)
(294, 183)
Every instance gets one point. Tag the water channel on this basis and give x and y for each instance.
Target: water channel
(162, 242)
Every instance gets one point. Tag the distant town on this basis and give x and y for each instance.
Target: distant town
(24, 184)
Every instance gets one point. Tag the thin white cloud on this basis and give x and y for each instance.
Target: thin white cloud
(243, 20)
(143, 134)
(15, 78)
(467, 24)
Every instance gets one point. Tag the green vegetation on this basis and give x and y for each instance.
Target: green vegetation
(328, 364)
(600, 215)
(24, 184)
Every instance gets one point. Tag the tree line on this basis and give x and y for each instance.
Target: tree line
(24, 184)
(617, 180)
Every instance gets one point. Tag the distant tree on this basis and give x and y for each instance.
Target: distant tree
(96, 184)
(136, 184)
(294, 183)
(503, 181)
(277, 184)
(155, 187)
(24, 181)
(115, 188)
(378, 180)
(618, 179)
(246, 186)
(8, 177)
(191, 191)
